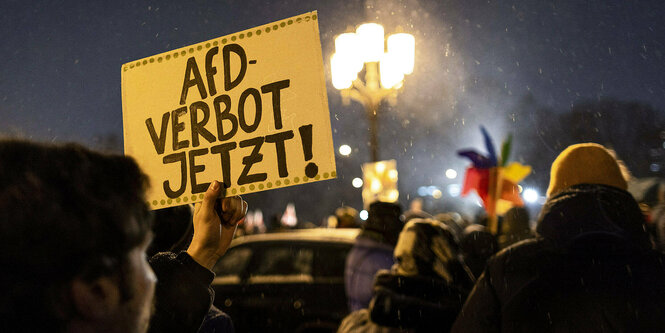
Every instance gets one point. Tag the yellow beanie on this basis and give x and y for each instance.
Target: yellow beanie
(585, 163)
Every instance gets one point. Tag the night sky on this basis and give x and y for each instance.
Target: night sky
(475, 61)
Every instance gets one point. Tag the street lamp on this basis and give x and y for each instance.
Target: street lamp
(384, 70)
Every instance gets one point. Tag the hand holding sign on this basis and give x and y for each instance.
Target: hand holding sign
(249, 109)
(212, 235)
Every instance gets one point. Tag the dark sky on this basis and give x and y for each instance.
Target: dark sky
(60, 71)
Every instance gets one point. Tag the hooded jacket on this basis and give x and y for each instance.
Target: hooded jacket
(591, 269)
(373, 251)
(424, 291)
(408, 304)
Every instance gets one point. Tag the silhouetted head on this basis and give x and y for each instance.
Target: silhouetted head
(427, 247)
(385, 218)
(74, 227)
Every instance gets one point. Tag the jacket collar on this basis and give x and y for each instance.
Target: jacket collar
(590, 211)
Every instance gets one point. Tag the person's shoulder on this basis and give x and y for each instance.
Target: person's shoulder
(369, 244)
(525, 248)
(216, 321)
(527, 254)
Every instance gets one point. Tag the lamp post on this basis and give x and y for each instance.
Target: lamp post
(384, 70)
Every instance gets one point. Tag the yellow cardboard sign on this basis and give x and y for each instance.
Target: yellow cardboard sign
(379, 182)
(249, 109)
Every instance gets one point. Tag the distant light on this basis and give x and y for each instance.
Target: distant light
(436, 194)
(357, 182)
(347, 45)
(451, 174)
(392, 196)
(375, 185)
(392, 174)
(370, 41)
(345, 150)
(342, 73)
(454, 190)
(403, 46)
(530, 195)
(655, 167)
(380, 167)
(422, 191)
(520, 188)
(390, 71)
(363, 215)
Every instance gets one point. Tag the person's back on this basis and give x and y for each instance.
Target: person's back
(372, 251)
(367, 256)
(582, 292)
(590, 269)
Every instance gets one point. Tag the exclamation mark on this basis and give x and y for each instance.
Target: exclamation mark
(306, 137)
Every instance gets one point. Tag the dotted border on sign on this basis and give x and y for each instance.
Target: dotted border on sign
(282, 182)
(219, 41)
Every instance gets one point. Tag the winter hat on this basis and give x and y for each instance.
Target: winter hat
(585, 163)
(384, 218)
(426, 247)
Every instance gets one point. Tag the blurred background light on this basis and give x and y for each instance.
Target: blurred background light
(357, 182)
(454, 190)
(370, 41)
(345, 150)
(530, 195)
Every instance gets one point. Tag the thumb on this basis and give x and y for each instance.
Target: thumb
(210, 196)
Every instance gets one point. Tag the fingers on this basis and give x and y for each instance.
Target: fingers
(234, 210)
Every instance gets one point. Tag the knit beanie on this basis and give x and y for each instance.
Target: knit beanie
(585, 163)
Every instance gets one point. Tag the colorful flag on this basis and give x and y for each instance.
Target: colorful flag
(494, 182)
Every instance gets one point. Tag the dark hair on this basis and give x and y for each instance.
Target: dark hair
(65, 212)
(385, 221)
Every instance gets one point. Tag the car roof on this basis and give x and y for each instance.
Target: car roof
(343, 235)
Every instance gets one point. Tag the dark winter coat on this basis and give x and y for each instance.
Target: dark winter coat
(407, 304)
(367, 256)
(590, 270)
(217, 321)
(182, 296)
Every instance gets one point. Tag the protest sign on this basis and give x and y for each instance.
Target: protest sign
(248, 109)
(379, 182)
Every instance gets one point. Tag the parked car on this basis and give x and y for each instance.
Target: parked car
(285, 282)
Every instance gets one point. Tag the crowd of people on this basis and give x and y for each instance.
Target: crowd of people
(76, 233)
